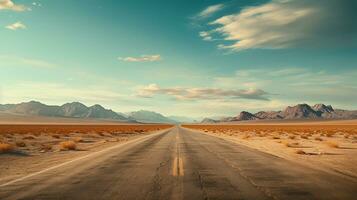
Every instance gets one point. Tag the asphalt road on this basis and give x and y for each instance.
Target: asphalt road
(180, 164)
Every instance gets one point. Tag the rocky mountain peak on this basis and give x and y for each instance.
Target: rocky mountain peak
(244, 115)
(300, 111)
(323, 108)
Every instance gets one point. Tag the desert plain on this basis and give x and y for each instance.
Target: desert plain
(31, 147)
(324, 145)
(250, 160)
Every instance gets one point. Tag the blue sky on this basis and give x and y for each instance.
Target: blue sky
(192, 58)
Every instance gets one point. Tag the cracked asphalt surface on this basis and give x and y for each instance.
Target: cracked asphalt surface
(181, 164)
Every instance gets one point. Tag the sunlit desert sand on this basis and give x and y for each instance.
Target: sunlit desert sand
(29, 148)
(327, 145)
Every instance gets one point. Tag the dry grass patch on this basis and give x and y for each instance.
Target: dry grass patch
(299, 151)
(329, 134)
(332, 144)
(78, 139)
(101, 134)
(20, 144)
(304, 137)
(292, 137)
(246, 137)
(294, 144)
(56, 136)
(46, 147)
(29, 137)
(68, 145)
(4, 147)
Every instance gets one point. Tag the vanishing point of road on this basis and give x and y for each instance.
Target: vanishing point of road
(180, 164)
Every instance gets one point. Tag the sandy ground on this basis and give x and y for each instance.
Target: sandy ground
(329, 146)
(33, 152)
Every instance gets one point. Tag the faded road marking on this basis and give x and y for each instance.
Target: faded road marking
(177, 165)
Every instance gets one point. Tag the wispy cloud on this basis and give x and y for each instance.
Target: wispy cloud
(10, 5)
(54, 92)
(202, 93)
(16, 26)
(205, 35)
(7, 60)
(282, 24)
(297, 85)
(143, 58)
(210, 10)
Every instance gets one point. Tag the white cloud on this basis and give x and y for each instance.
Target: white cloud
(181, 93)
(7, 60)
(282, 24)
(16, 26)
(296, 85)
(143, 58)
(36, 4)
(205, 35)
(210, 10)
(10, 5)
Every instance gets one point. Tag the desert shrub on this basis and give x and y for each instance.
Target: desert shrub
(29, 137)
(299, 151)
(329, 134)
(100, 133)
(4, 147)
(246, 137)
(276, 137)
(37, 134)
(56, 136)
(294, 144)
(304, 137)
(332, 144)
(318, 139)
(20, 144)
(46, 147)
(78, 139)
(68, 145)
(292, 137)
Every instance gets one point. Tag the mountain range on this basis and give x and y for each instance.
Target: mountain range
(300, 111)
(79, 110)
(150, 117)
(68, 110)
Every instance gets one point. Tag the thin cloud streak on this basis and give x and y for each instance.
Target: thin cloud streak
(202, 93)
(25, 62)
(210, 10)
(143, 58)
(16, 26)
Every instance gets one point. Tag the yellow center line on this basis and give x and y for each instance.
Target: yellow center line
(174, 169)
(181, 171)
(177, 167)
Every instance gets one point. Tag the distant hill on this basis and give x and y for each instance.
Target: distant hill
(70, 110)
(183, 119)
(209, 121)
(300, 111)
(150, 117)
